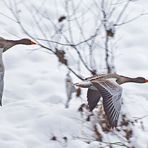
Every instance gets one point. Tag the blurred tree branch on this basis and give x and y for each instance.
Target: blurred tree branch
(106, 15)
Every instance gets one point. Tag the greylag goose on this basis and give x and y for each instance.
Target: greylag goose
(4, 46)
(108, 87)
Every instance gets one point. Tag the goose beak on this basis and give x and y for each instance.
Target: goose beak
(146, 80)
(33, 43)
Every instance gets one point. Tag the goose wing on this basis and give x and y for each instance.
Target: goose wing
(111, 93)
(93, 97)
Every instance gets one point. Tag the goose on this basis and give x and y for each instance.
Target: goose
(108, 87)
(4, 46)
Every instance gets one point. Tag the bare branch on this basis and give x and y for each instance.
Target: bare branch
(131, 20)
(122, 11)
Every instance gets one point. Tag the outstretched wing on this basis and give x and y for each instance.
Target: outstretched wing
(112, 100)
(93, 97)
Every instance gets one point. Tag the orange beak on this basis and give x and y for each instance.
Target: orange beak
(146, 81)
(32, 43)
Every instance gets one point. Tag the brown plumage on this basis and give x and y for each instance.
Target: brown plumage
(5, 45)
(111, 91)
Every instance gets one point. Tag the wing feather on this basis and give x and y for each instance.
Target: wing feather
(112, 100)
(93, 97)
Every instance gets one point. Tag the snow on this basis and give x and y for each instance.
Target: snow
(33, 114)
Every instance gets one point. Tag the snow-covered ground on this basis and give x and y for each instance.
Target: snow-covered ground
(33, 114)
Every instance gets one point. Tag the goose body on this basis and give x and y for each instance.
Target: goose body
(4, 46)
(108, 87)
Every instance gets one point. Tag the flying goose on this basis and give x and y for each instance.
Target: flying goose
(108, 87)
(4, 46)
